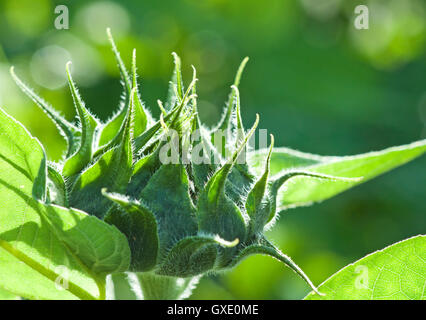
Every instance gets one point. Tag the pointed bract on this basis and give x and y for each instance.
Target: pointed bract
(111, 128)
(217, 213)
(142, 116)
(256, 197)
(227, 129)
(167, 196)
(176, 89)
(89, 124)
(140, 227)
(67, 129)
(270, 210)
(225, 121)
(112, 170)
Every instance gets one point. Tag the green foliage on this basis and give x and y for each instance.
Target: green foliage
(396, 272)
(305, 190)
(4, 295)
(38, 238)
(114, 204)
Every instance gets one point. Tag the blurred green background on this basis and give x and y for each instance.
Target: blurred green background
(319, 84)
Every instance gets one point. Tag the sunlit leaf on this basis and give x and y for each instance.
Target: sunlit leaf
(4, 295)
(41, 244)
(394, 273)
(304, 190)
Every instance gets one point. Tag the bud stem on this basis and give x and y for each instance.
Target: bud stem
(155, 287)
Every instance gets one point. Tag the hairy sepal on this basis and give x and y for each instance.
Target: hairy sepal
(139, 225)
(112, 170)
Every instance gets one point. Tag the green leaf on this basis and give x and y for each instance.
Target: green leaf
(4, 295)
(22, 158)
(183, 115)
(121, 66)
(39, 191)
(89, 124)
(100, 246)
(304, 190)
(41, 243)
(112, 170)
(67, 129)
(394, 273)
(139, 226)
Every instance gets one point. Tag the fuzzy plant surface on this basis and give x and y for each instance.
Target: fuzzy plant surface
(139, 199)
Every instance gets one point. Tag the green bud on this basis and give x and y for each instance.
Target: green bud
(200, 214)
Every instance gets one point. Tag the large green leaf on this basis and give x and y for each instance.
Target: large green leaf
(396, 272)
(41, 244)
(4, 295)
(304, 190)
(282, 159)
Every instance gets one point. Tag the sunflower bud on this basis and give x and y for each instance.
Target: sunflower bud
(182, 194)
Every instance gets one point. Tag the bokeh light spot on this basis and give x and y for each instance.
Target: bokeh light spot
(98, 16)
(46, 66)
